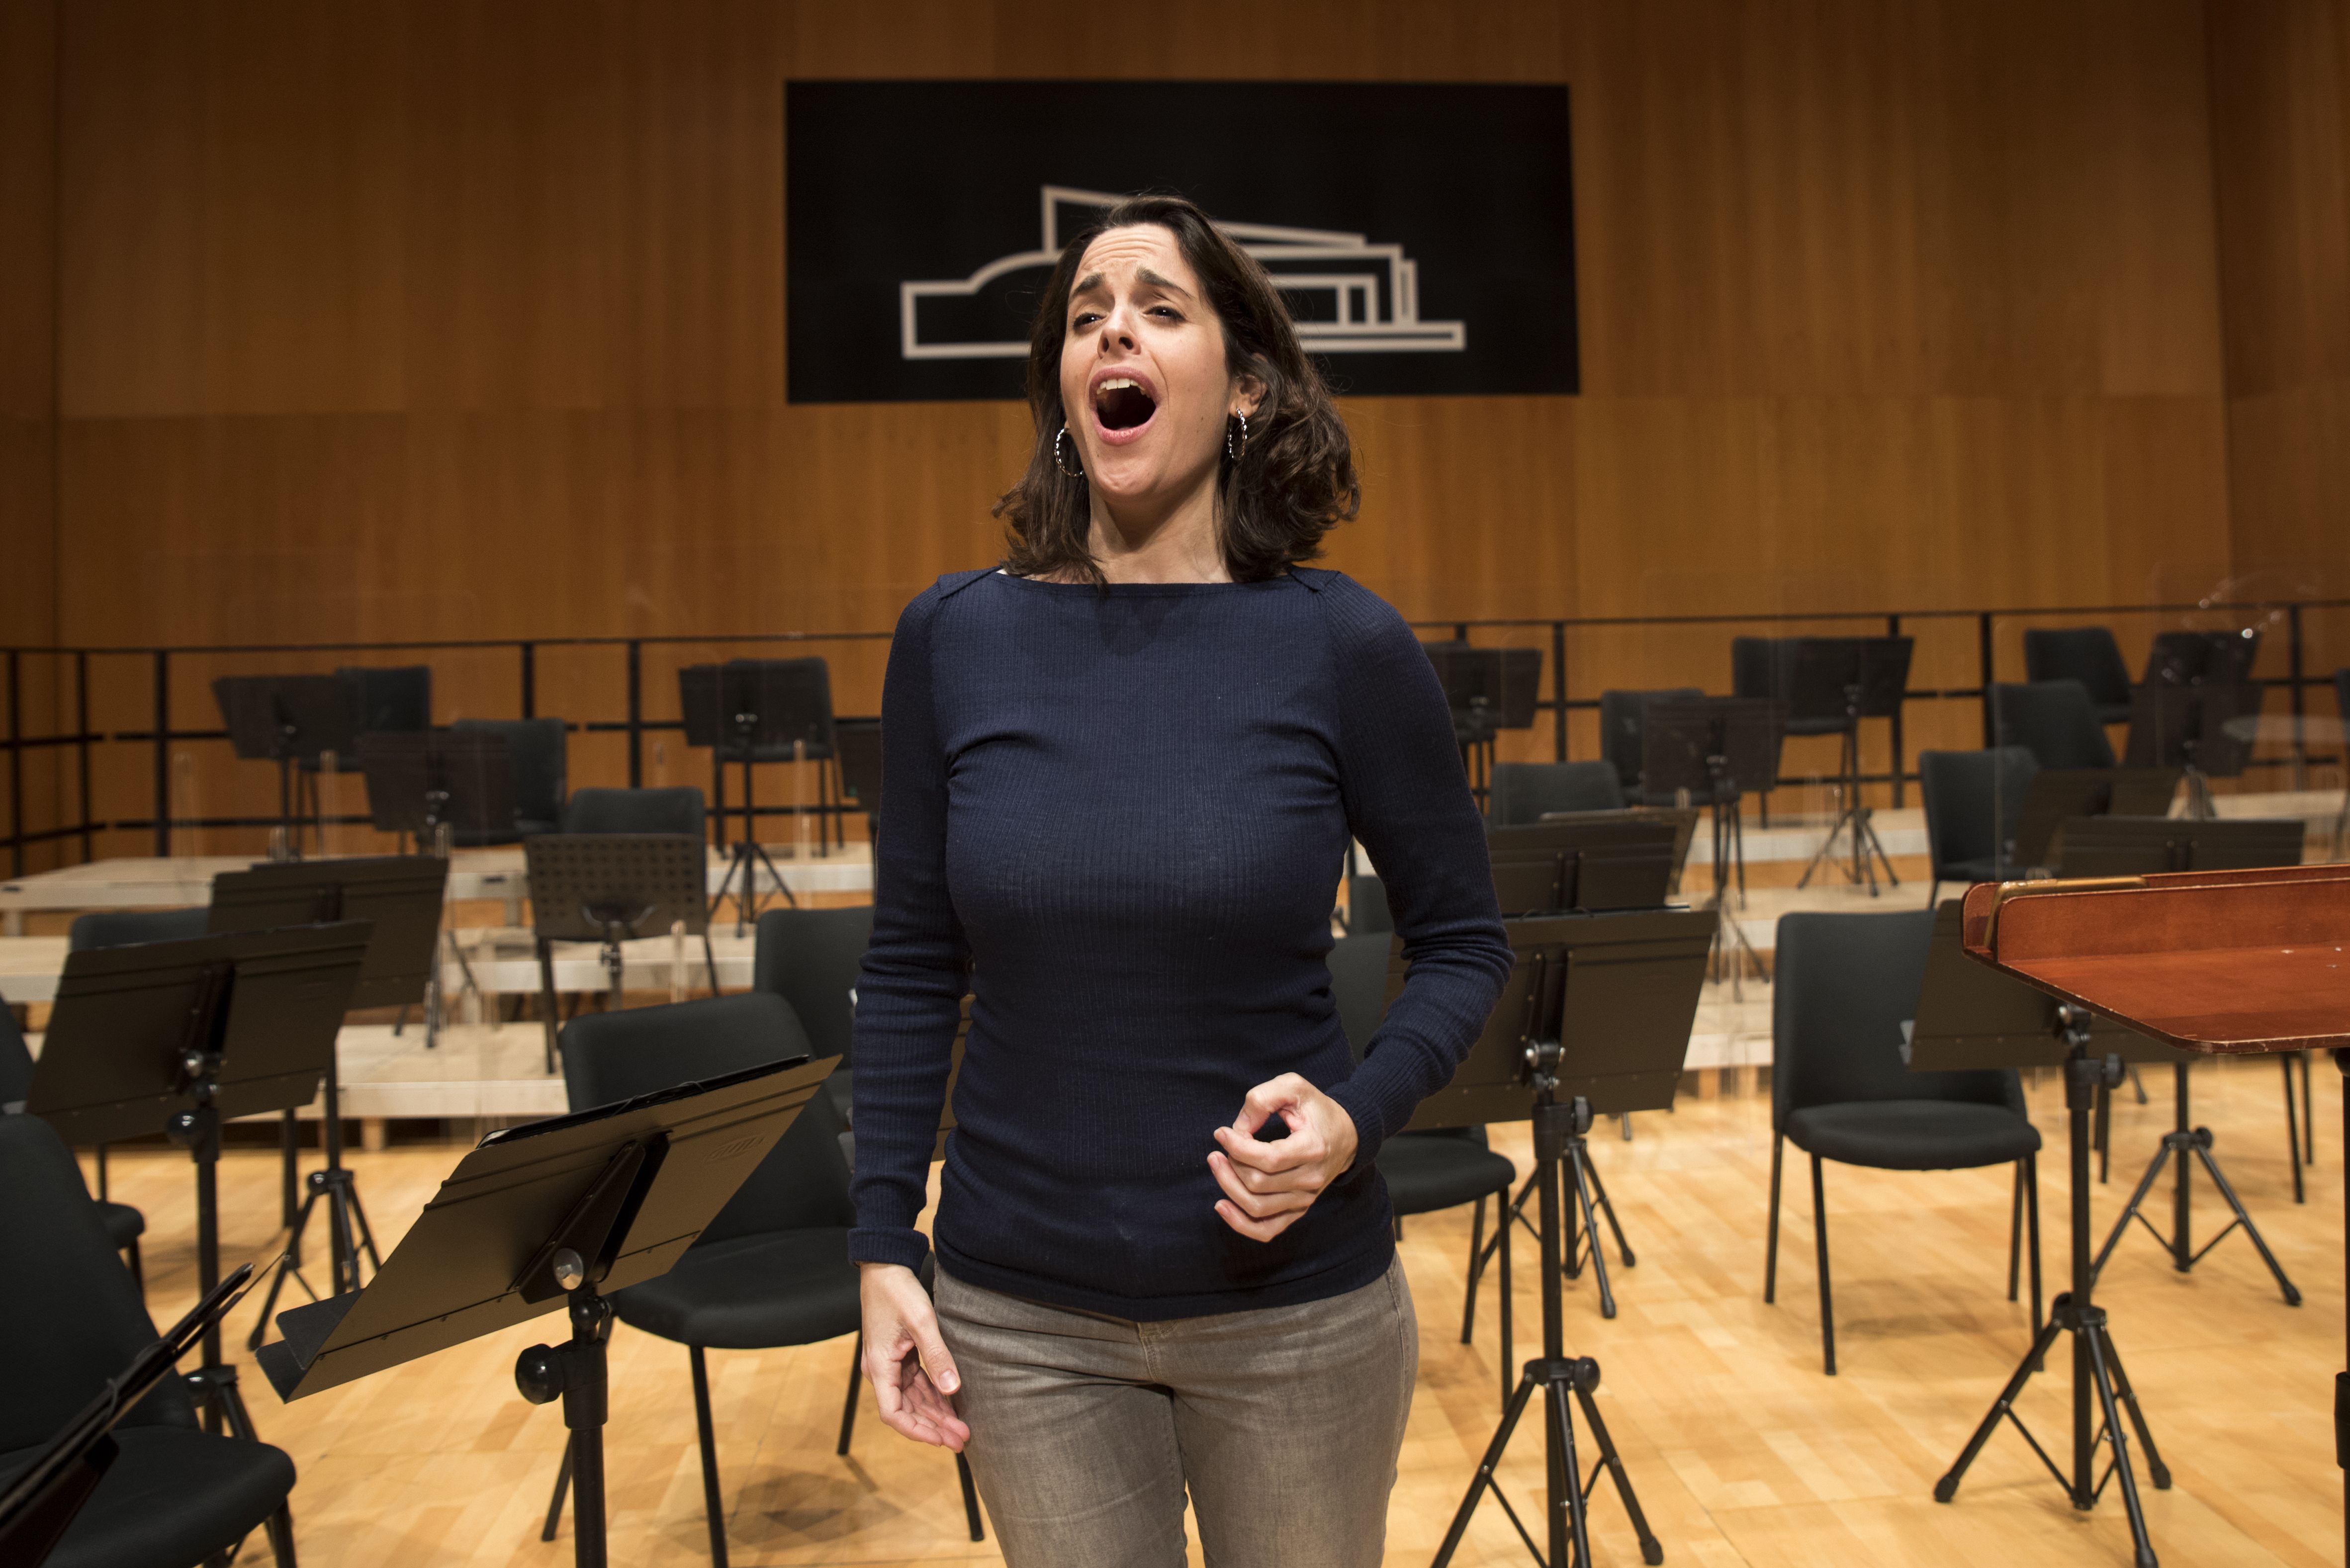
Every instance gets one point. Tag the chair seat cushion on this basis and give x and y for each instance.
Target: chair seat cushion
(1425, 1174)
(751, 1293)
(124, 1224)
(173, 1497)
(1913, 1135)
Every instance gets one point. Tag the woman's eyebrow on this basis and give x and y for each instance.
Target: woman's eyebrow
(1146, 275)
(1091, 284)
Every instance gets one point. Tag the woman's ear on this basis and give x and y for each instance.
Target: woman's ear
(1248, 394)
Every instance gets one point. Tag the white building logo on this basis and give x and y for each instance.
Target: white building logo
(1371, 293)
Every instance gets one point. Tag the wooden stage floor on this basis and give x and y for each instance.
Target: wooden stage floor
(1744, 1453)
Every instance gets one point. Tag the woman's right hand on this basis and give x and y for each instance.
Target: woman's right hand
(907, 1361)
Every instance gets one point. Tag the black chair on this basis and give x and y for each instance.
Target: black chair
(2342, 707)
(1623, 737)
(539, 748)
(2054, 721)
(2202, 658)
(675, 810)
(174, 1495)
(1521, 792)
(124, 1225)
(1974, 801)
(1840, 1090)
(1367, 905)
(810, 958)
(1426, 1171)
(772, 1270)
(2087, 654)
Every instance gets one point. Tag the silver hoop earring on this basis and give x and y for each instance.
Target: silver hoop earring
(1231, 449)
(1061, 464)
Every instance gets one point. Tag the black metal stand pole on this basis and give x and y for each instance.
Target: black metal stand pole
(576, 1371)
(748, 857)
(1558, 1376)
(2185, 1140)
(2098, 1374)
(1579, 1221)
(347, 1232)
(1867, 850)
(1732, 950)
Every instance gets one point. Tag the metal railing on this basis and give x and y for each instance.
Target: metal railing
(78, 819)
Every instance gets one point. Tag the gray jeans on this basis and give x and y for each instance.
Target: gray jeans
(1284, 1422)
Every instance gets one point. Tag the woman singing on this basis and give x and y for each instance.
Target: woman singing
(1120, 775)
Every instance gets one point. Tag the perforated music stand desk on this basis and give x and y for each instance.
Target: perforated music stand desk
(608, 887)
(1583, 860)
(552, 1214)
(2217, 963)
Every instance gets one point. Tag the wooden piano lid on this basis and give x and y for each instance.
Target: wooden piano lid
(2217, 962)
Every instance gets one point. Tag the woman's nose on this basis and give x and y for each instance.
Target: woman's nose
(1118, 332)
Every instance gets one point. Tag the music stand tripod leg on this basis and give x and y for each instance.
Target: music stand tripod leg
(2202, 1147)
(1581, 1197)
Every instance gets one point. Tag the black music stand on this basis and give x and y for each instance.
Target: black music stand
(402, 897)
(608, 888)
(176, 1037)
(2187, 727)
(1714, 747)
(289, 720)
(750, 711)
(437, 786)
(2146, 846)
(554, 1213)
(1969, 1025)
(1575, 861)
(2059, 795)
(40, 1505)
(1861, 678)
(1597, 1009)
(1489, 690)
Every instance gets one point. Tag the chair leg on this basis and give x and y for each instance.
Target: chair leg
(849, 1409)
(970, 1498)
(2032, 1214)
(137, 1269)
(1827, 1305)
(709, 1500)
(1502, 1222)
(1771, 1247)
(2291, 1129)
(2015, 1235)
(1934, 895)
(1476, 1249)
(1399, 1227)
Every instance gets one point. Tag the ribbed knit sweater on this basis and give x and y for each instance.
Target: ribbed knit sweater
(1119, 815)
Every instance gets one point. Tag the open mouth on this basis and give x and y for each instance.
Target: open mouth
(1121, 404)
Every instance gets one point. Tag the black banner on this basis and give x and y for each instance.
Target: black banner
(1424, 234)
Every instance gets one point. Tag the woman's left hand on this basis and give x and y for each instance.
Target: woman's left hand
(1268, 1185)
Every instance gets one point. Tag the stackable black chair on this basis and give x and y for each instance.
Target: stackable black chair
(2342, 706)
(772, 1270)
(2087, 654)
(1426, 1171)
(174, 1495)
(1840, 1090)
(810, 958)
(1623, 737)
(124, 1225)
(2055, 720)
(539, 750)
(1974, 801)
(675, 810)
(1523, 792)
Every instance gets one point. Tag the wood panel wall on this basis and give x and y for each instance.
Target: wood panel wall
(402, 319)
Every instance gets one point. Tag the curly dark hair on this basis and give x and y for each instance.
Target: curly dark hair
(1296, 478)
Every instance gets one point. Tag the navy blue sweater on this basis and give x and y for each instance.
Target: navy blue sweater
(1121, 817)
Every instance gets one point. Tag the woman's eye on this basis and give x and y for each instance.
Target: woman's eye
(1169, 311)
(1085, 318)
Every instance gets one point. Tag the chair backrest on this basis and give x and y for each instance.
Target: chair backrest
(804, 1181)
(540, 752)
(1358, 984)
(1974, 801)
(16, 1063)
(2342, 700)
(1367, 905)
(1843, 986)
(2087, 654)
(2053, 719)
(673, 810)
(72, 1306)
(1623, 727)
(125, 927)
(1521, 792)
(810, 958)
